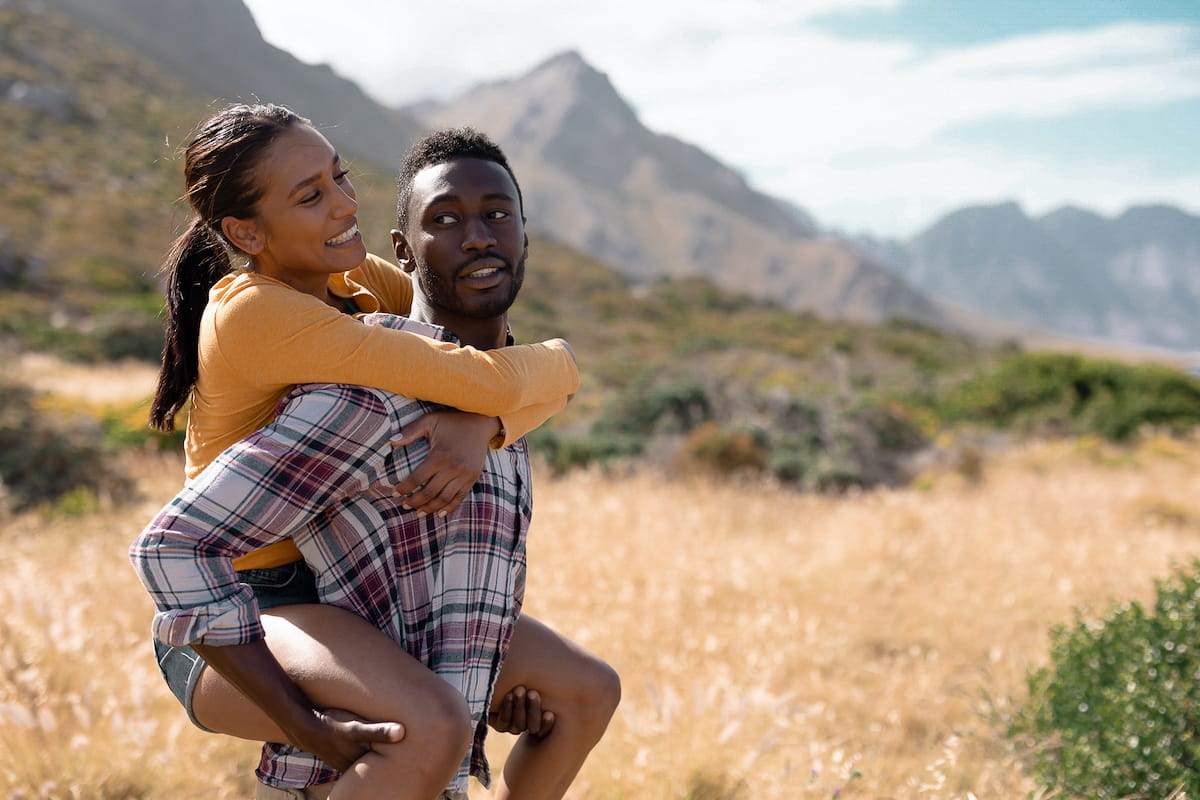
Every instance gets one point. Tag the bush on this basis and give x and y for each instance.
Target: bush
(564, 453)
(622, 431)
(836, 448)
(1115, 712)
(723, 451)
(124, 331)
(645, 409)
(1063, 394)
(129, 427)
(46, 456)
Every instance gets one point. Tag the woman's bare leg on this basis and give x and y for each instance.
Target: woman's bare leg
(341, 661)
(582, 691)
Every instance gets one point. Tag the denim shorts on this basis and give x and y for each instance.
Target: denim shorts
(287, 584)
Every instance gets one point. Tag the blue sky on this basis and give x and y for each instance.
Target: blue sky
(874, 115)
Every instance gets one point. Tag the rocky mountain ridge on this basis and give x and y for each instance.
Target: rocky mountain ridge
(1133, 277)
(215, 46)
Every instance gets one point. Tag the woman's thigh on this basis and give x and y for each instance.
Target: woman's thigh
(340, 661)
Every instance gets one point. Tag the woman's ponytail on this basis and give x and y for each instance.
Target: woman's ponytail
(196, 261)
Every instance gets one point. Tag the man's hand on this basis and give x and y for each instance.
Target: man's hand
(520, 711)
(339, 738)
(458, 447)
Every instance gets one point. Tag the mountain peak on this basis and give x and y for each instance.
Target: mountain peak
(577, 83)
(567, 59)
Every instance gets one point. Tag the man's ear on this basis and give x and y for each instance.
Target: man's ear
(403, 252)
(243, 234)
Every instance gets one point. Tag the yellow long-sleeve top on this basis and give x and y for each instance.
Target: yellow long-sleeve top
(260, 337)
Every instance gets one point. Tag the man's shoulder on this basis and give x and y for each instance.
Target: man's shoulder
(398, 322)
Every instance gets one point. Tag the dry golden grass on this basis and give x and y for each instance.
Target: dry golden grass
(92, 384)
(771, 645)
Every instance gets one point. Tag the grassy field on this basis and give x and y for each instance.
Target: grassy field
(771, 645)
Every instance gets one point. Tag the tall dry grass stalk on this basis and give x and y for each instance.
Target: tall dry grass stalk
(771, 645)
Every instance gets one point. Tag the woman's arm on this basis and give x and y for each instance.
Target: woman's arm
(269, 336)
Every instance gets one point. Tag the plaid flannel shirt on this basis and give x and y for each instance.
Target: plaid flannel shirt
(447, 589)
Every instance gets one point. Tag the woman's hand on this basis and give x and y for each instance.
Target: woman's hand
(339, 738)
(458, 446)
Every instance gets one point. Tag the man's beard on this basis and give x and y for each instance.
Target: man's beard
(442, 294)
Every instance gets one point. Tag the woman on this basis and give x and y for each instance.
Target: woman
(236, 343)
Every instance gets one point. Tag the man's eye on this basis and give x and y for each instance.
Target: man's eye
(498, 214)
(444, 219)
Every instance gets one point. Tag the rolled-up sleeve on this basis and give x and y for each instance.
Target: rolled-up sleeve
(328, 441)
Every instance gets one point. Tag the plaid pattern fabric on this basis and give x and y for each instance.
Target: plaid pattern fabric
(447, 589)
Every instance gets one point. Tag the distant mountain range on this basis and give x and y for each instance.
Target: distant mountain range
(651, 205)
(1133, 278)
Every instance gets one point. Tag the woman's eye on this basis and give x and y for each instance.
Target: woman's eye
(444, 219)
(309, 199)
(341, 176)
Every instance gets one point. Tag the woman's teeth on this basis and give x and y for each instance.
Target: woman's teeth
(343, 238)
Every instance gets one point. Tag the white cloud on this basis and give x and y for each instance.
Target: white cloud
(902, 196)
(758, 88)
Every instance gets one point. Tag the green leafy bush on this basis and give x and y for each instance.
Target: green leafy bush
(1066, 394)
(45, 456)
(122, 331)
(564, 453)
(128, 427)
(724, 451)
(621, 432)
(838, 447)
(646, 408)
(1116, 712)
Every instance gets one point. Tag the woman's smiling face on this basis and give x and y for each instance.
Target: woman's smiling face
(305, 226)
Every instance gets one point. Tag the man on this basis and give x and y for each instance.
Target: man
(447, 588)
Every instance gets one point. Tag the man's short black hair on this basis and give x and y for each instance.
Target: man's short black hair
(441, 147)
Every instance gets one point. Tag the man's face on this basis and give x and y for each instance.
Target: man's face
(465, 245)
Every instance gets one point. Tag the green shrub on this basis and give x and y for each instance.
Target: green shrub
(129, 427)
(45, 456)
(564, 453)
(836, 448)
(1064, 394)
(645, 409)
(127, 330)
(1115, 712)
(724, 451)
